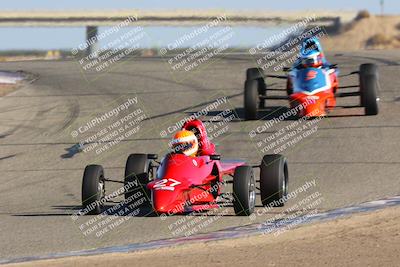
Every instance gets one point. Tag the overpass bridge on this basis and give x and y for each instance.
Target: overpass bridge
(93, 19)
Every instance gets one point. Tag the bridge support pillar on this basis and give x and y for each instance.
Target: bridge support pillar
(91, 39)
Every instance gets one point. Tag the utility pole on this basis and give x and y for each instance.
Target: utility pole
(382, 5)
(91, 41)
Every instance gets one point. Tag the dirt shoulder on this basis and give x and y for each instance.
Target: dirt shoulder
(7, 88)
(369, 239)
(375, 32)
(13, 80)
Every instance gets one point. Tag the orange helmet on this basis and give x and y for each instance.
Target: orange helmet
(185, 142)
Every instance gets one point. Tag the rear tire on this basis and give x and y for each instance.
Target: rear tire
(274, 179)
(251, 99)
(93, 189)
(244, 191)
(137, 171)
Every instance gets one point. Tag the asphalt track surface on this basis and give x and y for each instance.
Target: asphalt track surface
(353, 158)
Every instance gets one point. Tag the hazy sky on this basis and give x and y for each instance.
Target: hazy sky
(391, 6)
(39, 38)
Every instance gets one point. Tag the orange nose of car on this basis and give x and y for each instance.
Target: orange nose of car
(315, 109)
(309, 106)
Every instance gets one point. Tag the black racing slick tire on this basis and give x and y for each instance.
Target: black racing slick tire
(244, 191)
(257, 74)
(369, 95)
(369, 69)
(251, 99)
(274, 180)
(369, 88)
(137, 175)
(254, 73)
(93, 189)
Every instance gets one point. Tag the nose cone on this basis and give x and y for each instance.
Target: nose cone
(309, 107)
(160, 208)
(316, 109)
(172, 208)
(167, 202)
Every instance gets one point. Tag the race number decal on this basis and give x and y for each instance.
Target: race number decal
(166, 184)
(312, 74)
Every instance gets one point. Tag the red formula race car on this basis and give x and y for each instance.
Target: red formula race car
(312, 92)
(179, 184)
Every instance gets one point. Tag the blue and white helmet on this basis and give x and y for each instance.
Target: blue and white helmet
(310, 46)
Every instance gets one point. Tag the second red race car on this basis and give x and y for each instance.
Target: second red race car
(181, 183)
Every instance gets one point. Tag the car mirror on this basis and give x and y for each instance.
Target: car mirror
(152, 156)
(215, 157)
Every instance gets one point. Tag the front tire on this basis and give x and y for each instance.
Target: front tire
(369, 69)
(258, 75)
(370, 95)
(369, 88)
(254, 73)
(93, 189)
(244, 191)
(289, 87)
(274, 179)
